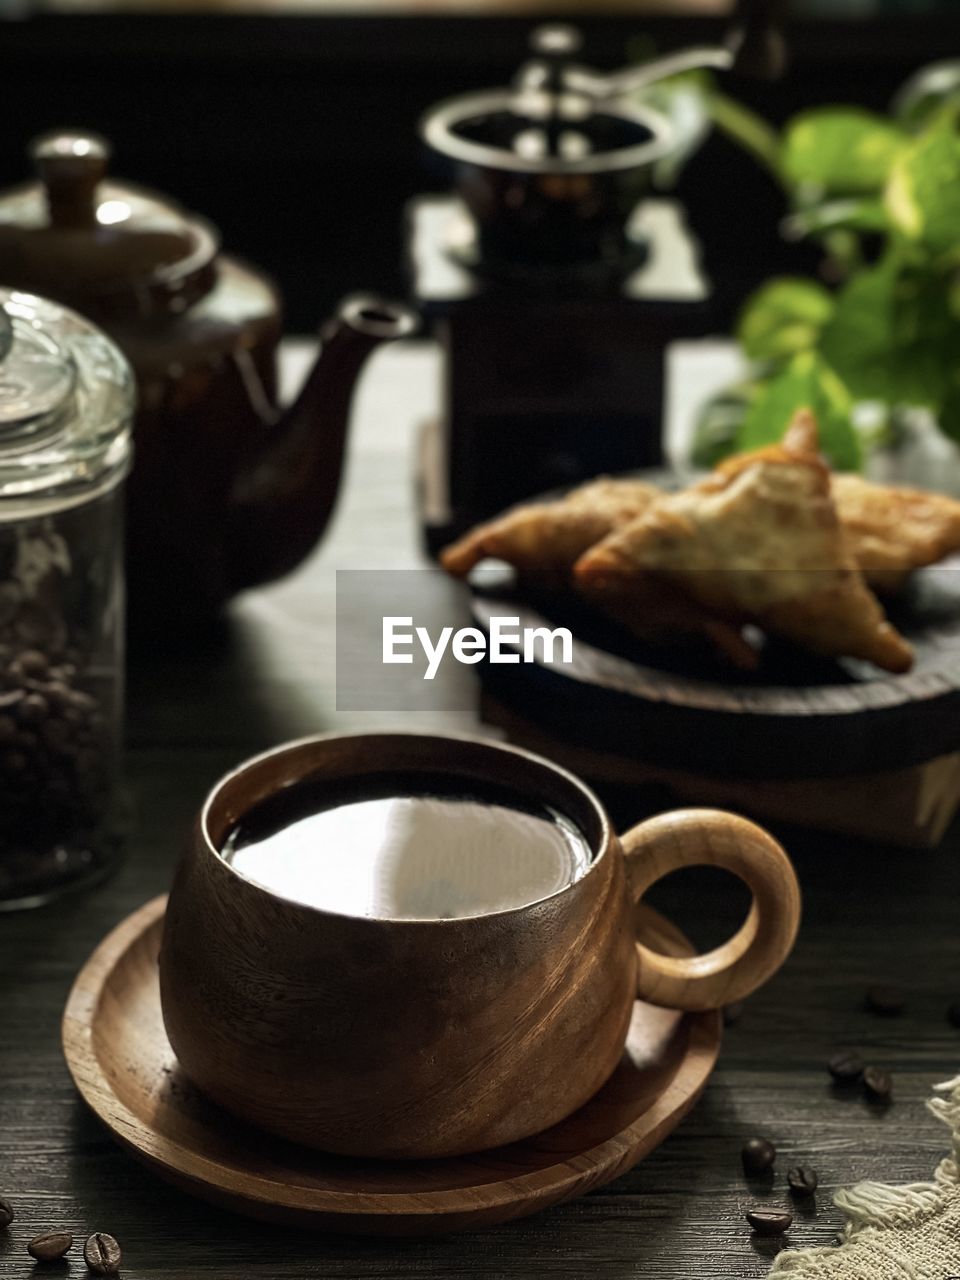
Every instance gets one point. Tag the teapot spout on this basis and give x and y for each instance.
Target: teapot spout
(283, 501)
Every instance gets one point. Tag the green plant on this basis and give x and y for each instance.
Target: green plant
(883, 197)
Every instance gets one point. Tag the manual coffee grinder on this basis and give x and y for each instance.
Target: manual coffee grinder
(553, 282)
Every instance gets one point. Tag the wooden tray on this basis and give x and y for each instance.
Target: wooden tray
(123, 1066)
(836, 744)
(797, 715)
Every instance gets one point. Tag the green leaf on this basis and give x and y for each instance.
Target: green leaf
(892, 336)
(842, 150)
(926, 93)
(858, 341)
(865, 214)
(718, 423)
(923, 194)
(808, 382)
(783, 317)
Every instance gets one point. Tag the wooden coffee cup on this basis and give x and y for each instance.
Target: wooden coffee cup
(419, 1038)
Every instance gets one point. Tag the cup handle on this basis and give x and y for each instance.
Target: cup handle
(707, 837)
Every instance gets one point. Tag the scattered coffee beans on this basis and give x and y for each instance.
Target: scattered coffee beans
(770, 1222)
(758, 1156)
(102, 1255)
(6, 1213)
(50, 1246)
(732, 1013)
(802, 1180)
(953, 1014)
(887, 1001)
(878, 1084)
(846, 1068)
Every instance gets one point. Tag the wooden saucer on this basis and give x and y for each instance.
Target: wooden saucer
(123, 1066)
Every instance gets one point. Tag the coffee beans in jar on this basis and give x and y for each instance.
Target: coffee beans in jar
(65, 406)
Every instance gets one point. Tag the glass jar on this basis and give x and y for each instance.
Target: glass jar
(66, 400)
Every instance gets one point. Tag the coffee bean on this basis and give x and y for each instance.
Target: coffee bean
(953, 1014)
(732, 1013)
(887, 1001)
(878, 1084)
(6, 1213)
(58, 694)
(770, 1222)
(758, 1155)
(803, 1181)
(31, 663)
(82, 702)
(846, 1068)
(102, 1255)
(50, 1246)
(33, 710)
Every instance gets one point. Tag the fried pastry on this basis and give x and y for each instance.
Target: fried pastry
(800, 445)
(659, 611)
(543, 540)
(892, 531)
(758, 541)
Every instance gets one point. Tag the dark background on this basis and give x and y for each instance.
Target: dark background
(297, 134)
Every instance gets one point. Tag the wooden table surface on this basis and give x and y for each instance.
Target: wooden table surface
(872, 914)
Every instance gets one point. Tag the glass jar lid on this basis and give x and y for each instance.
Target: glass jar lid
(66, 401)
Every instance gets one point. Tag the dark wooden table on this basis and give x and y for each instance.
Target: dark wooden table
(872, 913)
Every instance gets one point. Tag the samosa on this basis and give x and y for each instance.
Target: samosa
(759, 541)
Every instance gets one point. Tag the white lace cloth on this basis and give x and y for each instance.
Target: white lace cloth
(895, 1233)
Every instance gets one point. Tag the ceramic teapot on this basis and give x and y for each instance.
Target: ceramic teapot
(227, 491)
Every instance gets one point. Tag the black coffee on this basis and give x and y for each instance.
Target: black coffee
(390, 847)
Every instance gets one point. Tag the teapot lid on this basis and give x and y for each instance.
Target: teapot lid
(66, 399)
(109, 248)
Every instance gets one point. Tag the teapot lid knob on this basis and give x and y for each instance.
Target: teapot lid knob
(71, 164)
